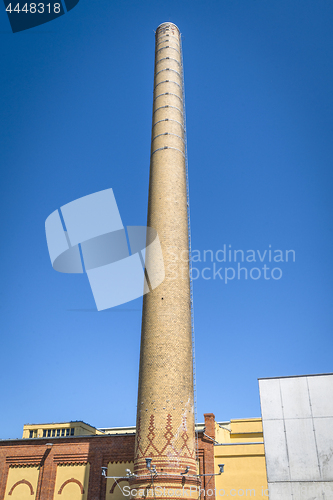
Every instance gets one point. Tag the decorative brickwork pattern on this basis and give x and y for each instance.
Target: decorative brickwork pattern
(168, 434)
(23, 481)
(24, 460)
(150, 438)
(139, 452)
(185, 450)
(115, 484)
(72, 480)
(71, 458)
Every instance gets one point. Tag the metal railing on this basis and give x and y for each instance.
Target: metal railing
(190, 256)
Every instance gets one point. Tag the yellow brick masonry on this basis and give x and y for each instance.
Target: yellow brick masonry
(165, 416)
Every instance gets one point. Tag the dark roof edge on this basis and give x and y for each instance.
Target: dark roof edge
(68, 422)
(55, 440)
(296, 376)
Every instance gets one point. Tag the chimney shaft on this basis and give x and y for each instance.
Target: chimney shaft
(165, 415)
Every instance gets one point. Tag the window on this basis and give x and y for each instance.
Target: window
(70, 431)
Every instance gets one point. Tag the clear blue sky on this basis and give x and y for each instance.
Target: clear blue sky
(76, 101)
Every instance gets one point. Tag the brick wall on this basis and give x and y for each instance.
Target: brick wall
(98, 451)
(206, 457)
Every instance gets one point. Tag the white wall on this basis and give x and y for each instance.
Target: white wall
(297, 415)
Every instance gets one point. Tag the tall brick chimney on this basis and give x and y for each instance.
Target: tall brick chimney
(165, 415)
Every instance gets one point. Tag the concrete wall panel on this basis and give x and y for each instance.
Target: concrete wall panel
(324, 438)
(277, 458)
(295, 397)
(321, 395)
(303, 459)
(307, 491)
(280, 491)
(328, 490)
(271, 406)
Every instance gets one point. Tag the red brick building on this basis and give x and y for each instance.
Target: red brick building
(68, 467)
